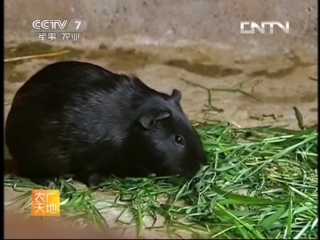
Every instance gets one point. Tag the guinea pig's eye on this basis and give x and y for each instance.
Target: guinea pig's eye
(178, 139)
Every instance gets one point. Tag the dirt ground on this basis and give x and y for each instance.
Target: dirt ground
(272, 84)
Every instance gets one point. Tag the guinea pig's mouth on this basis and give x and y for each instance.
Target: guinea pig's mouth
(146, 171)
(190, 172)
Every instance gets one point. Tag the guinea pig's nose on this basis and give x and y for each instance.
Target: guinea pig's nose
(195, 169)
(203, 159)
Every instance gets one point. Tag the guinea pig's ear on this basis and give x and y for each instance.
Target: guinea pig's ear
(151, 118)
(176, 95)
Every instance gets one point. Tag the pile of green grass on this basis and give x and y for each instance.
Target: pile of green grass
(260, 183)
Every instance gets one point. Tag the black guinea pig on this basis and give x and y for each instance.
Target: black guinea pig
(78, 118)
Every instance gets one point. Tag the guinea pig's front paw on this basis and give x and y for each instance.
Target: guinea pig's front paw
(94, 180)
(41, 181)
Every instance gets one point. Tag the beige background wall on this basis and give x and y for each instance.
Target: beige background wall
(215, 21)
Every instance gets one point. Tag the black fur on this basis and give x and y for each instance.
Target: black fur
(78, 118)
